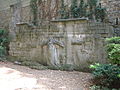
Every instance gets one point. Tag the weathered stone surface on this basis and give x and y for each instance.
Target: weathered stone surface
(113, 10)
(81, 43)
(72, 41)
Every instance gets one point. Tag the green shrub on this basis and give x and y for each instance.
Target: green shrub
(2, 51)
(95, 87)
(114, 53)
(115, 40)
(3, 42)
(108, 73)
(113, 50)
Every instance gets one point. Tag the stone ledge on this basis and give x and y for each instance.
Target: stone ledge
(71, 19)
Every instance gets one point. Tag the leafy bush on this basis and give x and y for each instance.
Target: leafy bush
(95, 87)
(114, 53)
(108, 73)
(2, 51)
(3, 42)
(113, 49)
(115, 40)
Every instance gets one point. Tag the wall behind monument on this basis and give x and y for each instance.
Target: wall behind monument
(73, 41)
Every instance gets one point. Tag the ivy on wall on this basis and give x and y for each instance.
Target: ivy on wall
(100, 13)
(74, 9)
(3, 42)
(92, 10)
(34, 9)
(44, 10)
(64, 14)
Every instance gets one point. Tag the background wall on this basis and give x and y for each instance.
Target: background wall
(5, 4)
(113, 10)
(71, 41)
(76, 42)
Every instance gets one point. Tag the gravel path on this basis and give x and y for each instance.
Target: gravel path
(14, 77)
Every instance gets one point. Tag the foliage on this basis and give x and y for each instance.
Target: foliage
(114, 53)
(34, 8)
(115, 40)
(74, 9)
(108, 73)
(100, 13)
(2, 51)
(44, 10)
(82, 9)
(113, 49)
(91, 10)
(95, 87)
(78, 11)
(64, 14)
(92, 5)
(3, 42)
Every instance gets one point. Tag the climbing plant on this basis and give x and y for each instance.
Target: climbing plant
(34, 9)
(3, 42)
(96, 12)
(44, 10)
(74, 9)
(100, 13)
(92, 9)
(92, 5)
(64, 14)
(82, 9)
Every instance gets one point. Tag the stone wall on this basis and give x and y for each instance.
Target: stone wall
(47, 10)
(113, 10)
(112, 6)
(11, 10)
(72, 41)
(5, 17)
(5, 4)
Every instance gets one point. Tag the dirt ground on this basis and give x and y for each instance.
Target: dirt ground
(15, 77)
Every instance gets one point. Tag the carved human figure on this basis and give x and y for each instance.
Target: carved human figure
(53, 54)
(53, 51)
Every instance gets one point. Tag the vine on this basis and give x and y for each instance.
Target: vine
(96, 11)
(63, 12)
(74, 9)
(91, 10)
(34, 9)
(43, 10)
(100, 13)
(3, 43)
(83, 9)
